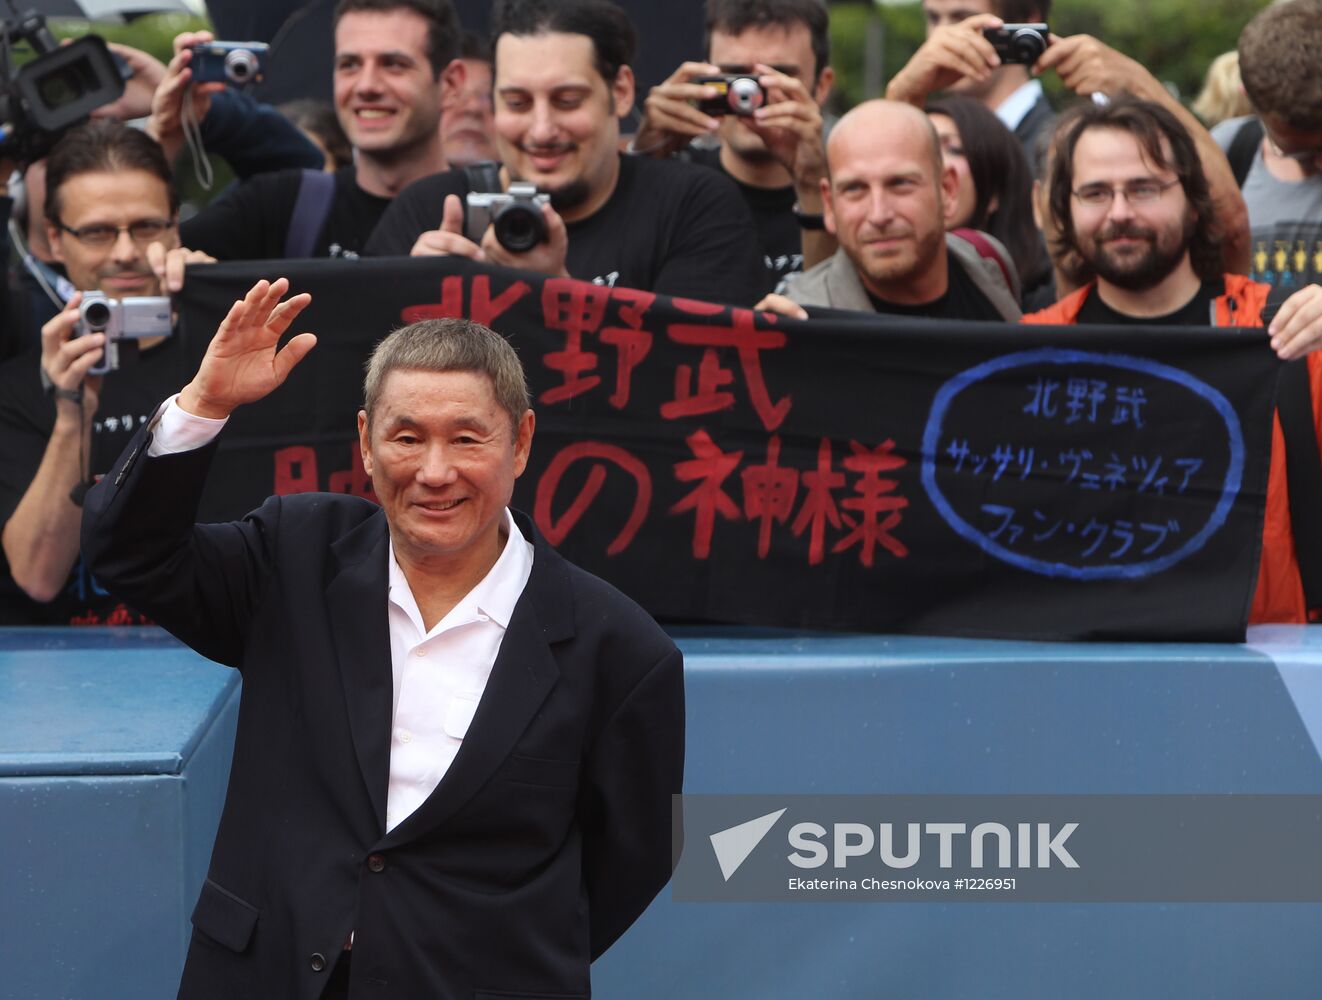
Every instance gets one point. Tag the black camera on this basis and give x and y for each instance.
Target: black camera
(133, 318)
(1019, 43)
(53, 92)
(516, 215)
(738, 94)
(235, 63)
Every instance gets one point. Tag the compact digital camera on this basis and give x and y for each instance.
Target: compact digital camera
(738, 94)
(132, 318)
(516, 215)
(235, 63)
(1019, 43)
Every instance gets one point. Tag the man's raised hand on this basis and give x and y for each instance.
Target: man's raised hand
(242, 364)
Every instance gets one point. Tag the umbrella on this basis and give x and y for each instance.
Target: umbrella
(105, 10)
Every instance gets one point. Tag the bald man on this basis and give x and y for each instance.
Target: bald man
(887, 198)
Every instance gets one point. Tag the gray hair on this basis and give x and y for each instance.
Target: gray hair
(450, 345)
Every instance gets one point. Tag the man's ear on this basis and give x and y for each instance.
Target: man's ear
(949, 183)
(523, 441)
(453, 79)
(53, 237)
(821, 90)
(365, 442)
(622, 91)
(828, 210)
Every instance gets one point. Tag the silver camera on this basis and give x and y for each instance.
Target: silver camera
(133, 318)
(516, 215)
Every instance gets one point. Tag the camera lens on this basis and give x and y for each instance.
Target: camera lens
(240, 65)
(519, 227)
(96, 315)
(745, 95)
(1027, 45)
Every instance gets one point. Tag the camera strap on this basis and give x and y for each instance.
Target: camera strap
(483, 177)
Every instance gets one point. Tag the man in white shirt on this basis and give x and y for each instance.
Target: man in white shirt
(491, 812)
(955, 44)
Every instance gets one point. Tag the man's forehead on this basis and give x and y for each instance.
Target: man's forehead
(1106, 151)
(373, 32)
(956, 10)
(111, 192)
(545, 61)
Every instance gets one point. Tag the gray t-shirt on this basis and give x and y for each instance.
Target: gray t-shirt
(1285, 218)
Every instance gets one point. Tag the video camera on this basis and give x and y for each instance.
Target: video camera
(59, 88)
(132, 318)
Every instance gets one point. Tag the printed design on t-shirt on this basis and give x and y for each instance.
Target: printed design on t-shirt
(783, 264)
(119, 424)
(1288, 254)
(608, 279)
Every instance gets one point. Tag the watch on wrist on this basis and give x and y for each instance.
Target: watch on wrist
(51, 389)
(808, 220)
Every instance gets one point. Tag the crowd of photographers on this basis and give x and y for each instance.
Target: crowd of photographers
(963, 195)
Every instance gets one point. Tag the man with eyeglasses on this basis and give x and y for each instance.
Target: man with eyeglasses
(1129, 196)
(111, 214)
(1277, 153)
(775, 155)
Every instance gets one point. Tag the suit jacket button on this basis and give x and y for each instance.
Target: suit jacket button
(376, 863)
(317, 961)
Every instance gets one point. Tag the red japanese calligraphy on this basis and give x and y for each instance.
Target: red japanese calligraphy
(577, 309)
(557, 530)
(709, 469)
(482, 308)
(818, 508)
(769, 492)
(295, 470)
(872, 501)
(709, 395)
(354, 480)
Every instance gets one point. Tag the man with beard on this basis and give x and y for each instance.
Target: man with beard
(562, 81)
(1128, 194)
(111, 213)
(776, 154)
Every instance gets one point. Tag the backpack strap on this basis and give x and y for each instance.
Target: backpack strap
(1243, 148)
(316, 189)
(986, 249)
(483, 177)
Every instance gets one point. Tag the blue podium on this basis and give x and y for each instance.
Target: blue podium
(114, 754)
(114, 748)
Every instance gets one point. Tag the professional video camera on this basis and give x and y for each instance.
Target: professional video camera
(54, 91)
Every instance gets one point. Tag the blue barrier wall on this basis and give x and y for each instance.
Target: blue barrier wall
(113, 752)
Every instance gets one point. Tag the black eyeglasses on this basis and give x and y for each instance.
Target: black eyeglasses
(103, 234)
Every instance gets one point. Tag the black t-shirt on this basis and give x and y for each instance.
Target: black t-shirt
(668, 227)
(1198, 311)
(129, 396)
(779, 237)
(962, 300)
(252, 221)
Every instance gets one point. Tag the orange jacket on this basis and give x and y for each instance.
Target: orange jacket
(1279, 596)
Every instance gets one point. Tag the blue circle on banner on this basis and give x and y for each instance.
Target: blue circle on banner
(1058, 356)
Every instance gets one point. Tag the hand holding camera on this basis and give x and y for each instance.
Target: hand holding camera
(952, 52)
(66, 360)
(545, 255)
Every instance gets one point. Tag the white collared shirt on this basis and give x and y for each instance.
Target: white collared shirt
(439, 675)
(1011, 111)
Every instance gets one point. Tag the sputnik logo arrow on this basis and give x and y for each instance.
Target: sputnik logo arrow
(733, 846)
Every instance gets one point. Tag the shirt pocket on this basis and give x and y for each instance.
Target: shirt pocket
(459, 715)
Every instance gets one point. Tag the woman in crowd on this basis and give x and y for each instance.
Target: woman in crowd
(995, 184)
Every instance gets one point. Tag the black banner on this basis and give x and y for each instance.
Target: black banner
(722, 465)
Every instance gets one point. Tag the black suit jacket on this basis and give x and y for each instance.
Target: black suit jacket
(1041, 118)
(546, 838)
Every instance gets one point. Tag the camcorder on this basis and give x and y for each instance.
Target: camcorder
(234, 63)
(132, 318)
(516, 216)
(737, 94)
(1019, 43)
(52, 92)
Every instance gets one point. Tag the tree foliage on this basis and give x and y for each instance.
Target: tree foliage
(1175, 39)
